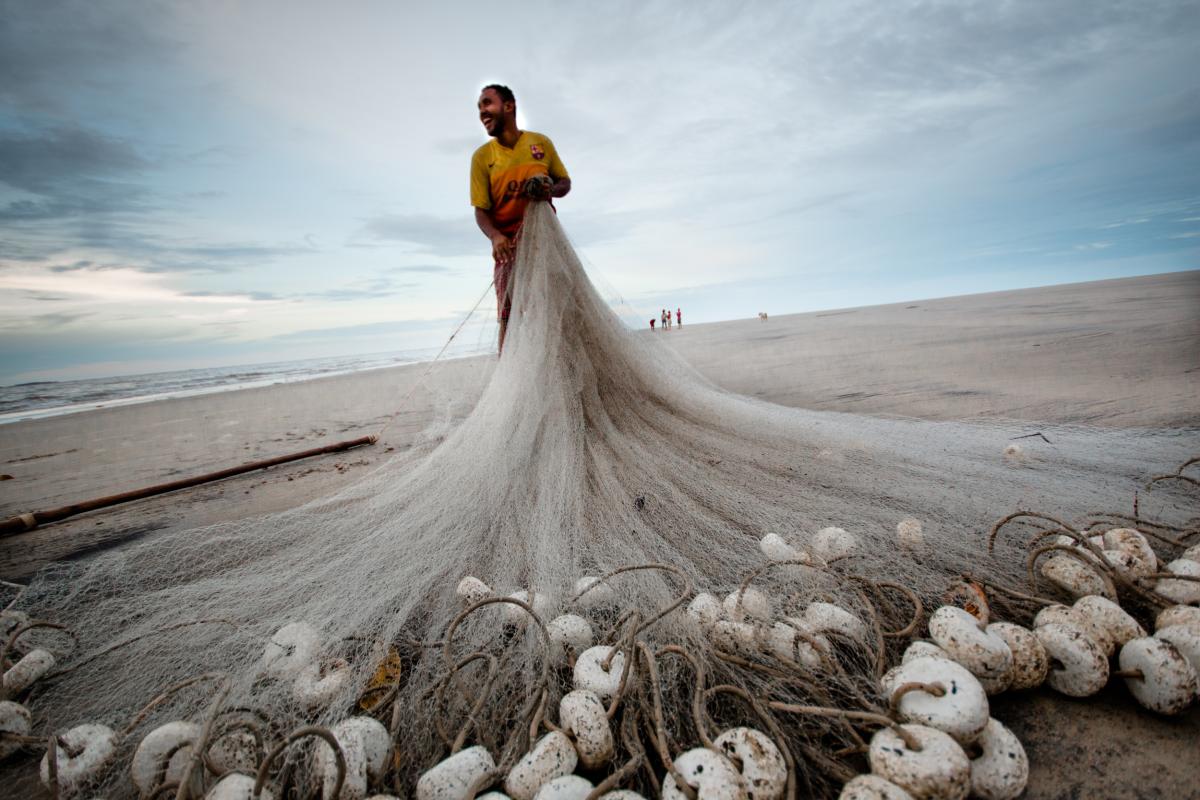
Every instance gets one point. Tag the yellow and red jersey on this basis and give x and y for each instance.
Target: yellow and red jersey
(498, 173)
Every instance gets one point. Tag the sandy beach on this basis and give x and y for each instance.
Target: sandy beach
(1119, 353)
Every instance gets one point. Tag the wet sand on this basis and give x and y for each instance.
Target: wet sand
(1110, 353)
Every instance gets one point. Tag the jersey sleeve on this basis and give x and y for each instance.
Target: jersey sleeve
(481, 186)
(554, 164)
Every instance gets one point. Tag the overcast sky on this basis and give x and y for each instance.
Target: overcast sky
(189, 184)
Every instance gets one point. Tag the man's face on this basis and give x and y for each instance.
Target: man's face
(495, 114)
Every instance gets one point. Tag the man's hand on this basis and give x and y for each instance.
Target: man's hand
(502, 246)
(538, 187)
(502, 249)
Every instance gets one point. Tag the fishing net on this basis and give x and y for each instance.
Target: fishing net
(593, 451)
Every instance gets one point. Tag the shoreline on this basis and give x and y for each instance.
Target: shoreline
(26, 415)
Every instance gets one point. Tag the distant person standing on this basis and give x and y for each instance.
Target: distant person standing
(507, 173)
(679, 317)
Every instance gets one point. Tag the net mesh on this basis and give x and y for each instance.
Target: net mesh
(592, 448)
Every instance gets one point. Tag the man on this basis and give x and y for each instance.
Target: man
(508, 172)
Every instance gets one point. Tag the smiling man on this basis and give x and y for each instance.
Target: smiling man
(508, 172)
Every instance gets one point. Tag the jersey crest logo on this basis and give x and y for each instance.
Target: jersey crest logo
(537, 152)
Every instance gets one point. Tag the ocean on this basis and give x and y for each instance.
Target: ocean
(49, 398)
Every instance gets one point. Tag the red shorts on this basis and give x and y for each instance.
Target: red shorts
(501, 276)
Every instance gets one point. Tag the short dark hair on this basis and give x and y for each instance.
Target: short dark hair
(506, 94)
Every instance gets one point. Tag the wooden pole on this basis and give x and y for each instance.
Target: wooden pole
(27, 522)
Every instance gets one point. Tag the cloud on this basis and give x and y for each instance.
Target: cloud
(81, 198)
(60, 319)
(108, 180)
(44, 322)
(366, 289)
(127, 245)
(1140, 220)
(226, 328)
(117, 287)
(373, 329)
(369, 289)
(75, 267)
(74, 187)
(86, 196)
(344, 295)
(217, 155)
(44, 162)
(1176, 124)
(431, 269)
(228, 254)
(46, 46)
(34, 210)
(443, 236)
(263, 297)
(45, 297)
(12, 250)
